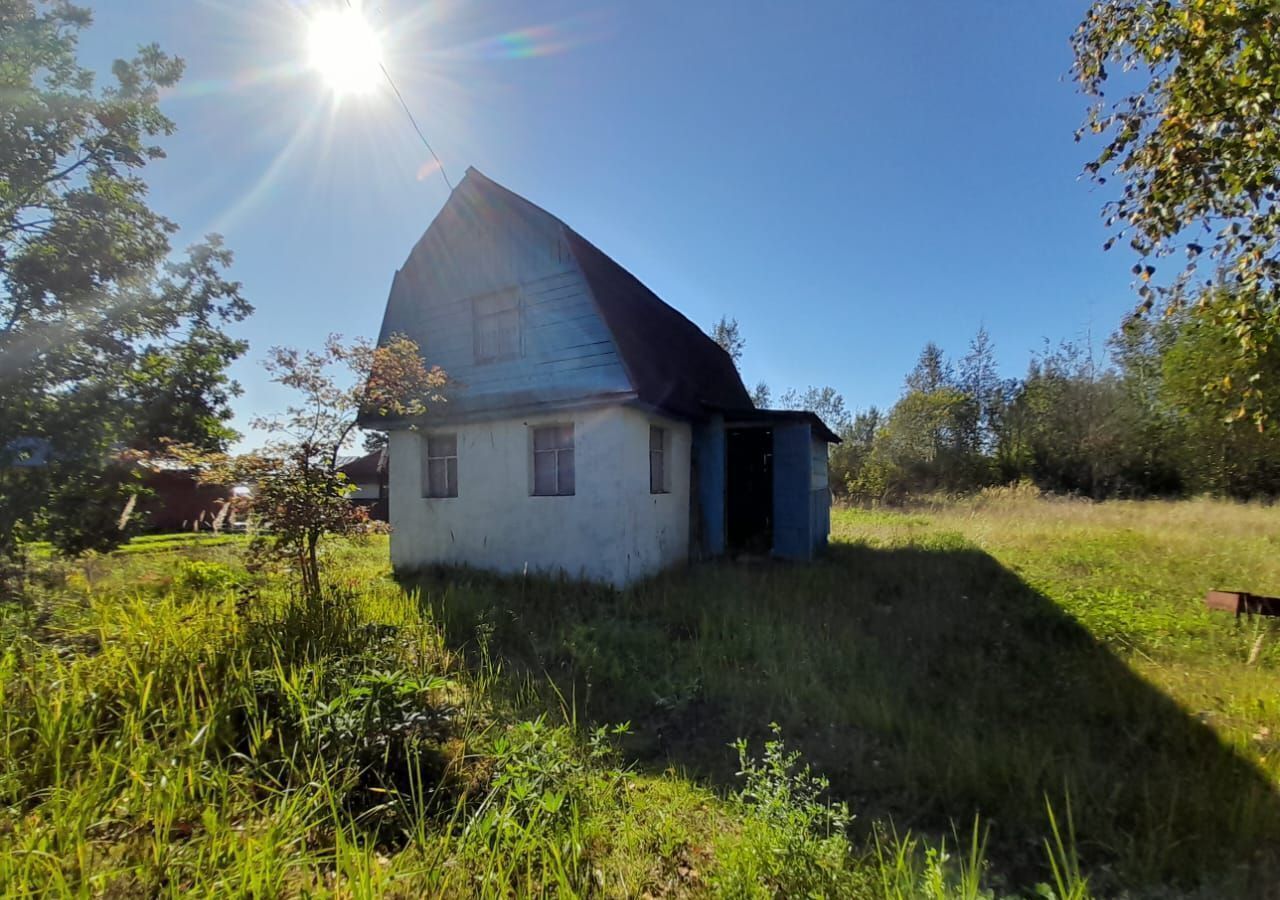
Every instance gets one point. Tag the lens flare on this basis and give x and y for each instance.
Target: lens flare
(534, 41)
(345, 51)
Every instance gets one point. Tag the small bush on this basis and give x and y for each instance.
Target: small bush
(199, 575)
(795, 843)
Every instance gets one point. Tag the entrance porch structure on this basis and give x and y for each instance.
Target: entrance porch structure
(591, 429)
(761, 484)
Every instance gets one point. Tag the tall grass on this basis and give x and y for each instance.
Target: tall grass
(952, 662)
(171, 723)
(184, 727)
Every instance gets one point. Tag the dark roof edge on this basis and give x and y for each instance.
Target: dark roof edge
(692, 324)
(820, 428)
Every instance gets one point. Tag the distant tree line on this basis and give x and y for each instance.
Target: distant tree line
(1138, 422)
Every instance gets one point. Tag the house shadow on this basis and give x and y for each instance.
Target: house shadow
(930, 684)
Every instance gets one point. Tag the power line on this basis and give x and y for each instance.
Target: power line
(412, 121)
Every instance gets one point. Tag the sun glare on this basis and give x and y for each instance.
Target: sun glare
(344, 50)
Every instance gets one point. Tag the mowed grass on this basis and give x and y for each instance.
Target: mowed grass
(171, 723)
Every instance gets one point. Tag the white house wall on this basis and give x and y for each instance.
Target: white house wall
(612, 529)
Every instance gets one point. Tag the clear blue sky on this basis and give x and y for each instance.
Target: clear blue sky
(847, 179)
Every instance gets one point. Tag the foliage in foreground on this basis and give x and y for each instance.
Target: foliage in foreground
(173, 724)
(1185, 95)
(1003, 693)
(299, 492)
(105, 342)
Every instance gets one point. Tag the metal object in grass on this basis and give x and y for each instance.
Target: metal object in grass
(1243, 603)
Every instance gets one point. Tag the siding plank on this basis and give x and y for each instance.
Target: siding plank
(472, 252)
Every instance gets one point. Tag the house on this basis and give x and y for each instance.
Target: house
(368, 475)
(173, 497)
(590, 427)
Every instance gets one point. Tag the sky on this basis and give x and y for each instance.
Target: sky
(847, 179)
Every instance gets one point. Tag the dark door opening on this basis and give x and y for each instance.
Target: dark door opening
(749, 490)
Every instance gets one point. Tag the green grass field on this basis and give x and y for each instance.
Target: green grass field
(999, 691)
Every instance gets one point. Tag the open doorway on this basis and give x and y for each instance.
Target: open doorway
(749, 490)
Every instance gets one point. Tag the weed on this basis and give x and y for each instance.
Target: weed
(796, 843)
(200, 575)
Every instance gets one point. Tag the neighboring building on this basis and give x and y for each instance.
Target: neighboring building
(177, 500)
(590, 428)
(369, 475)
(173, 499)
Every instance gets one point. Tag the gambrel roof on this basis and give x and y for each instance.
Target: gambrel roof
(673, 364)
(670, 363)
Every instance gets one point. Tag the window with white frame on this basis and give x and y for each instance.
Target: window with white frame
(440, 466)
(497, 326)
(553, 473)
(657, 460)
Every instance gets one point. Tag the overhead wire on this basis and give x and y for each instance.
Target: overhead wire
(412, 121)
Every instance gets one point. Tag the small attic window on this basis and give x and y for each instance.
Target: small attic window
(497, 326)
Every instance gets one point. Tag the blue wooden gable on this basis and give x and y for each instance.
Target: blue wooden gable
(484, 258)
(520, 310)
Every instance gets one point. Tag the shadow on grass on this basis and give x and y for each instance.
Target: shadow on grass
(928, 683)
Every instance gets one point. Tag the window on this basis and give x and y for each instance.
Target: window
(440, 470)
(657, 460)
(497, 326)
(553, 461)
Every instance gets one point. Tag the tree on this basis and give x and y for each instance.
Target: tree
(726, 334)
(849, 457)
(1196, 149)
(988, 393)
(825, 402)
(374, 441)
(1082, 432)
(102, 345)
(179, 388)
(919, 448)
(932, 370)
(932, 439)
(297, 488)
(760, 395)
(1190, 433)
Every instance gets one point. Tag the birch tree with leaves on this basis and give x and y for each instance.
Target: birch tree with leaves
(1191, 138)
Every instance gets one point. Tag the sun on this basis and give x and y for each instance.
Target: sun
(344, 49)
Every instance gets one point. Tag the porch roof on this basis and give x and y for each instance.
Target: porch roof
(765, 417)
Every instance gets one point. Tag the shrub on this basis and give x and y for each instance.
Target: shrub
(795, 843)
(199, 575)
